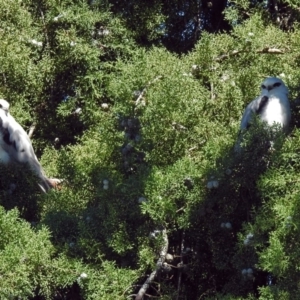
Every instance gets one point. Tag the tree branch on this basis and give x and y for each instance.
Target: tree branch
(276, 11)
(162, 255)
(225, 56)
(270, 51)
(31, 130)
(45, 26)
(140, 97)
(266, 50)
(181, 263)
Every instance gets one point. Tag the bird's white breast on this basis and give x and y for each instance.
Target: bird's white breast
(276, 111)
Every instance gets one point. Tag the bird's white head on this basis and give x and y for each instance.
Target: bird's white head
(4, 105)
(273, 85)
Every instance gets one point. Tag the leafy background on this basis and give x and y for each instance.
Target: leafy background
(137, 106)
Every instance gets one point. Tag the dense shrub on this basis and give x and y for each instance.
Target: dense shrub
(144, 140)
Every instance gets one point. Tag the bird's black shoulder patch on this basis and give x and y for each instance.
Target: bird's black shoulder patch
(262, 104)
(6, 136)
(14, 145)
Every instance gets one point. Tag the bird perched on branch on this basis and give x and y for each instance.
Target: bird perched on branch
(16, 147)
(272, 106)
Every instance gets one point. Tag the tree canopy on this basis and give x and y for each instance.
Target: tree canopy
(137, 105)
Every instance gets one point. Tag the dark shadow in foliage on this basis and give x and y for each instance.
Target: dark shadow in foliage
(70, 293)
(295, 117)
(282, 13)
(186, 20)
(69, 127)
(228, 205)
(108, 228)
(183, 23)
(63, 226)
(19, 188)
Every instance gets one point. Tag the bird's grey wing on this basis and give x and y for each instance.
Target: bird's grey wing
(14, 140)
(246, 122)
(4, 138)
(20, 144)
(16, 143)
(247, 116)
(254, 107)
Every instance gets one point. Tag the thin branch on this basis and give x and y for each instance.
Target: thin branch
(266, 50)
(102, 46)
(45, 26)
(162, 255)
(212, 95)
(180, 209)
(198, 21)
(270, 50)
(4, 78)
(225, 56)
(181, 263)
(276, 11)
(31, 130)
(192, 148)
(177, 126)
(140, 97)
(127, 288)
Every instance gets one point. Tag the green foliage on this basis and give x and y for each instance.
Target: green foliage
(27, 260)
(144, 140)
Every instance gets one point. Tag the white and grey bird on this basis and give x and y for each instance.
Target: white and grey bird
(272, 106)
(16, 147)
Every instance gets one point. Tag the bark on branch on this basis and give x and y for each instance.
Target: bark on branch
(140, 97)
(181, 263)
(31, 130)
(266, 50)
(162, 255)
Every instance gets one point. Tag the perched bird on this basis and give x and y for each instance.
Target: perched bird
(16, 147)
(272, 106)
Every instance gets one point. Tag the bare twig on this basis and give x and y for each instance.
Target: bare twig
(31, 130)
(127, 288)
(4, 78)
(140, 97)
(266, 50)
(192, 148)
(225, 56)
(276, 11)
(180, 209)
(205, 293)
(198, 21)
(270, 50)
(102, 46)
(177, 126)
(181, 263)
(212, 95)
(162, 255)
(45, 27)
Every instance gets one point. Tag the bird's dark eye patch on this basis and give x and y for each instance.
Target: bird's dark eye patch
(263, 86)
(277, 84)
